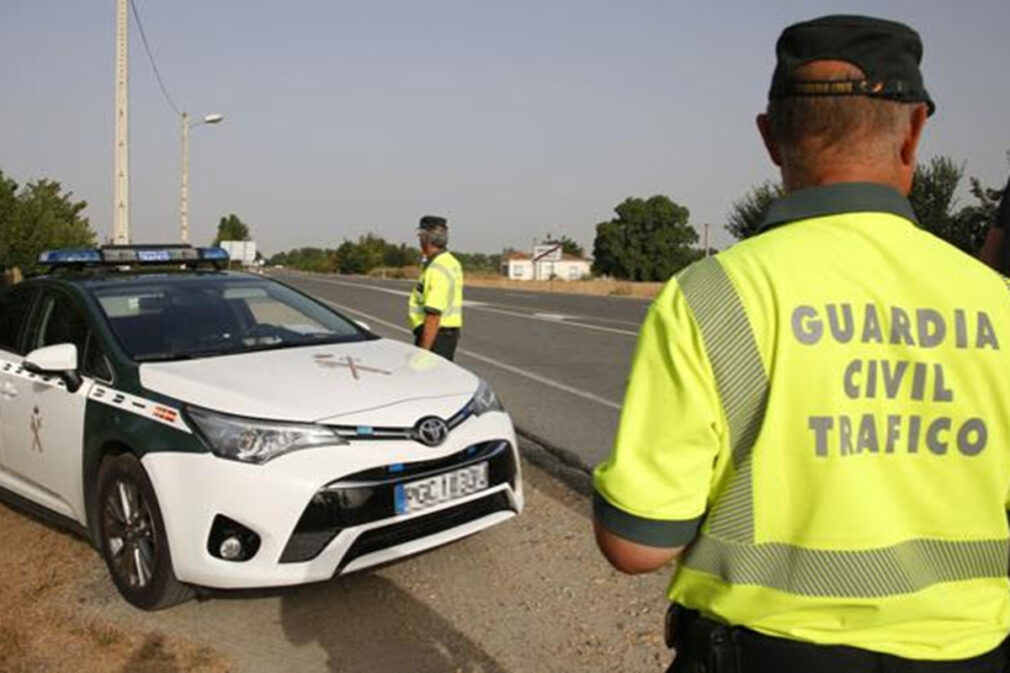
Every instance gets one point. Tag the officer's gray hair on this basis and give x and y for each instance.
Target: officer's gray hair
(438, 237)
(854, 128)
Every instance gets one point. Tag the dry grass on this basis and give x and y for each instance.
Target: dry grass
(596, 286)
(41, 631)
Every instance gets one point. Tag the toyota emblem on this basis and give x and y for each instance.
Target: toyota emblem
(431, 431)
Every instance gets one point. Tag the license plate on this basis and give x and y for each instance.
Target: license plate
(425, 493)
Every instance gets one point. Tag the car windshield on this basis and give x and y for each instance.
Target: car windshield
(184, 317)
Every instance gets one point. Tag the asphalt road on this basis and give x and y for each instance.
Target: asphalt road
(559, 362)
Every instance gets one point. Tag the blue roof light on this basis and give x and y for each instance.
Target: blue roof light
(214, 254)
(70, 257)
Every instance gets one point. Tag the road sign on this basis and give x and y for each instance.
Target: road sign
(240, 251)
(550, 252)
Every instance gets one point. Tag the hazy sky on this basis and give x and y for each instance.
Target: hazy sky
(513, 118)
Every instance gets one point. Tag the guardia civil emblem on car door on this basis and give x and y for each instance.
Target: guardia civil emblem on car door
(36, 427)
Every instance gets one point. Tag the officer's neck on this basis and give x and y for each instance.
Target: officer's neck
(431, 252)
(834, 173)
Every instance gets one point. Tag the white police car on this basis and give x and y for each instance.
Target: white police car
(208, 428)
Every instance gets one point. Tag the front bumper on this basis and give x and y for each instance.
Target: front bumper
(297, 505)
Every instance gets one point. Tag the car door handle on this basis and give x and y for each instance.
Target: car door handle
(8, 391)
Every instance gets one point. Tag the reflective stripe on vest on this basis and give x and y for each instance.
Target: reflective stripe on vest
(726, 546)
(453, 309)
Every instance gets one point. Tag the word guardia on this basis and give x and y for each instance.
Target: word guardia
(891, 379)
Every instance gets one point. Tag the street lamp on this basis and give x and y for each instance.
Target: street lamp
(184, 180)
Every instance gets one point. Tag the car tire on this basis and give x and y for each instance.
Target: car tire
(132, 536)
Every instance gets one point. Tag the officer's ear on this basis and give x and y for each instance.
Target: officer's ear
(910, 143)
(764, 128)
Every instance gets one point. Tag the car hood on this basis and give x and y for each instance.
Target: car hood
(380, 383)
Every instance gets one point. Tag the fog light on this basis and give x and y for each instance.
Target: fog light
(231, 549)
(231, 541)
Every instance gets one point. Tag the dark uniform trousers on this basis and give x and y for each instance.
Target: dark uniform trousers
(705, 646)
(445, 341)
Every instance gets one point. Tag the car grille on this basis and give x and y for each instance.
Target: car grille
(368, 496)
(368, 432)
(378, 539)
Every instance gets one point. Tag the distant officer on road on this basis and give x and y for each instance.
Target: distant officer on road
(436, 304)
(817, 423)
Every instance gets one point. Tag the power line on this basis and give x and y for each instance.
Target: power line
(150, 57)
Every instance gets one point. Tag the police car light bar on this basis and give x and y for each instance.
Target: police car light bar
(127, 255)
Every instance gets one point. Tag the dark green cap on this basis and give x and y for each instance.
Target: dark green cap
(888, 53)
(432, 222)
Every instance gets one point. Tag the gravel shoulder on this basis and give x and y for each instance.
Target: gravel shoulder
(532, 594)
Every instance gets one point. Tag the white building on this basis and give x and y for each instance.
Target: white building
(520, 266)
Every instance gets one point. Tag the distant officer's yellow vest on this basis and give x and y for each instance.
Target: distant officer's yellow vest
(439, 290)
(832, 399)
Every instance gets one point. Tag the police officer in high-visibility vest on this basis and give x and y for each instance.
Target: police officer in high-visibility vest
(817, 422)
(436, 304)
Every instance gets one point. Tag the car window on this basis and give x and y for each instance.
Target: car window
(185, 317)
(15, 306)
(95, 364)
(61, 322)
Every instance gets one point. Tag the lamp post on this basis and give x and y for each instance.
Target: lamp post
(184, 179)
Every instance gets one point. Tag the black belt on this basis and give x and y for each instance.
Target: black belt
(441, 330)
(707, 646)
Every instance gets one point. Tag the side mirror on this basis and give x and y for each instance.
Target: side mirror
(59, 360)
(364, 325)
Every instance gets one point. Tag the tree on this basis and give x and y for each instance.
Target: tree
(569, 246)
(649, 240)
(352, 258)
(747, 212)
(934, 200)
(231, 228)
(39, 217)
(933, 197)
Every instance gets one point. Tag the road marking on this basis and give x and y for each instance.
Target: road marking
(555, 321)
(478, 306)
(399, 293)
(491, 361)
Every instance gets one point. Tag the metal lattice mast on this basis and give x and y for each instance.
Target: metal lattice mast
(121, 168)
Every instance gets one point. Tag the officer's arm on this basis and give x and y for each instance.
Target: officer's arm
(991, 248)
(631, 557)
(651, 494)
(431, 323)
(995, 250)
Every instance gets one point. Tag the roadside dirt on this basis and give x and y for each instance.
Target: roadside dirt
(42, 625)
(531, 595)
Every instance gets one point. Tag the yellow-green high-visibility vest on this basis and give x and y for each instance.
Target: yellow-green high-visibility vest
(823, 413)
(439, 290)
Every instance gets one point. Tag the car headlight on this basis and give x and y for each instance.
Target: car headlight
(253, 441)
(485, 400)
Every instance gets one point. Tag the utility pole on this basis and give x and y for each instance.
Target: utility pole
(184, 182)
(121, 167)
(706, 239)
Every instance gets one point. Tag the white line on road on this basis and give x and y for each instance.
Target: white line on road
(479, 306)
(491, 361)
(398, 293)
(554, 321)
